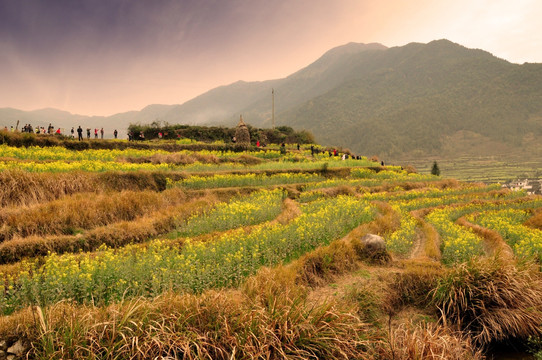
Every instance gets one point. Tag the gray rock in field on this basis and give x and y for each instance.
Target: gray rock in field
(374, 249)
(373, 243)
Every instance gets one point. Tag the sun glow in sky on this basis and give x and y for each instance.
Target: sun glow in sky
(100, 57)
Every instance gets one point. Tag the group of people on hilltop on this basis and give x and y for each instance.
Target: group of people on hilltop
(50, 129)
(333, 153)
(88, 130)
(28, 128)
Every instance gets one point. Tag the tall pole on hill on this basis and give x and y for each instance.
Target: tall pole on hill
(273, 107)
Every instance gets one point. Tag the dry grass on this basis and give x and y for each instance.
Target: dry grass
(386, 221)
(113, 235)
(535, 221)
(341, 256)
(418, 185)
(491, 300)
(430, 248)
(337, 190)
(290, 210)
(246, 160)
(83, 211)
(173, 159)
(323, 264)
(214, 325)
(427, 341)
(412, 285)
(20, 188)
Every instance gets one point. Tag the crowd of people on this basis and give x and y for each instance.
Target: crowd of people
(51, 130)
(335, 152)
(28, 128)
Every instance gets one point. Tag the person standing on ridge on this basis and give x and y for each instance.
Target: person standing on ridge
(80, 133)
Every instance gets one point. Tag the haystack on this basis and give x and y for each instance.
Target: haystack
(242, 135)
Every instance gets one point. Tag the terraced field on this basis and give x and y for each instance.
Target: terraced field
(140, 254)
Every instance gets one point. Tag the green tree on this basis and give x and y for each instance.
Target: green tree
(435, 170)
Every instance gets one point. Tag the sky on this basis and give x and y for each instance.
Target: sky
(101, 57)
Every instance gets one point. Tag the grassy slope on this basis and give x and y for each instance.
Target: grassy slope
(336, 301)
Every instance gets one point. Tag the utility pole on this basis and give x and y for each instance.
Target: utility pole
(273, 107)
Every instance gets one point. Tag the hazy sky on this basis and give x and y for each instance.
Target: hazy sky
(100, 57)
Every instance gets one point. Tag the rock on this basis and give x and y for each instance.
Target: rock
(374, 249)
(2, 354)
(3, 345)
(11, 357)
(17, 349)
(373, 243)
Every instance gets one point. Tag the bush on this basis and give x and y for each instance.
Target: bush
(492, 300)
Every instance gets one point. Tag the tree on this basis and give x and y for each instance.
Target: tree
(435, 170)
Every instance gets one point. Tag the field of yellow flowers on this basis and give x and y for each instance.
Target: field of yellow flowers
(278, 229)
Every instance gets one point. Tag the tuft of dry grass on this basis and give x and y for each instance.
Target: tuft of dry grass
(321, 265)
(338, 190)
(535, 221)
(246, 160)
(412, 285)
(492, 300)
(427, 341)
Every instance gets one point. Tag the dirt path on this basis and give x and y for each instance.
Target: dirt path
(428, 240)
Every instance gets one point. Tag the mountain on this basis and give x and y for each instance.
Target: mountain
(438, 99)
(418, 98)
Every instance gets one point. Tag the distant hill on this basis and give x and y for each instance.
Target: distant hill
(422, 99)
(435, 99)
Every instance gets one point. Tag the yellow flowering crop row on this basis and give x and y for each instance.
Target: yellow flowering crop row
(458, 244)
(526, 242)
(109, 275)
(258, 207)
(61, 153)
(390, 175)
(401, 241)
(83, 165)
(229, 180)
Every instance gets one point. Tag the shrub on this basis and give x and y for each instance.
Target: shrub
(491, 300)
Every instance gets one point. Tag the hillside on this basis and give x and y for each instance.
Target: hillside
(418, 100)
(142, 251)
